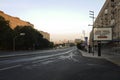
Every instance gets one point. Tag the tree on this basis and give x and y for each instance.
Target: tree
(6, 34)
(32, 39)
(26, 41)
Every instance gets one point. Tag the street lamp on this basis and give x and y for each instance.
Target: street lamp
(21, 34)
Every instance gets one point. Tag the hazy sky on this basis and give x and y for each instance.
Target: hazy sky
(63, 19)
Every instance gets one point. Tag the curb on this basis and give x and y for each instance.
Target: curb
(111, 59)
(90, 55)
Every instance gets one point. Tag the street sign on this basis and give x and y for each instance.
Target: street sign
(101, 34)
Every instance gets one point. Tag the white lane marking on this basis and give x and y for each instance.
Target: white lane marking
(40, 57)
(49, 56)
(35, 58)
(70, 56)
(47, 62)
(6, 68)
(12, 55)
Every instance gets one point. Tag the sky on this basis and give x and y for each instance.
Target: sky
(63, 19)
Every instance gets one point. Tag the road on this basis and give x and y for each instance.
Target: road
(61, 64)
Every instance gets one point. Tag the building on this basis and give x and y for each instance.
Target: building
(45, 35)
(15, 21)
(77, 41)
(109, 16)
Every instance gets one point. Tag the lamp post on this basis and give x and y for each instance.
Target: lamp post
(21, 34)
(91, 13)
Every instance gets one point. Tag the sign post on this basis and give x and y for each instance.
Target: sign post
(102, 34)
(99, 48)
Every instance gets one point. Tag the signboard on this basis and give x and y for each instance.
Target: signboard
(101, 34)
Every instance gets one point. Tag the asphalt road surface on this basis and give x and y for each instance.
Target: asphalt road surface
(61, 64)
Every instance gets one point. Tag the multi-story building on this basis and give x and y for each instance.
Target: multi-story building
(15, 21)
(45, 35)
(77, 41)
(109, 16)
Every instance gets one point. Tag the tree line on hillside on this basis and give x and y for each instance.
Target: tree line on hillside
(32, 39)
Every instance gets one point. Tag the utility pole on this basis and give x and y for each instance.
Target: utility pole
(91, 13)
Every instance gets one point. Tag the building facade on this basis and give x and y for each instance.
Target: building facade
(15, 21)
(78, 41)
(109, 16)
(45, 35)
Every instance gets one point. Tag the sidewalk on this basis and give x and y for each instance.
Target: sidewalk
(110, 57)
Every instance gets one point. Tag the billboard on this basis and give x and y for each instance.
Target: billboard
(101, 34)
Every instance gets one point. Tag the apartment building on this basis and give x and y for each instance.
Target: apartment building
(45, 35)
(15, 21)
(109, 16)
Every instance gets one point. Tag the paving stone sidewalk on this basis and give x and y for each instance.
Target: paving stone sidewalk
(114, 58)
